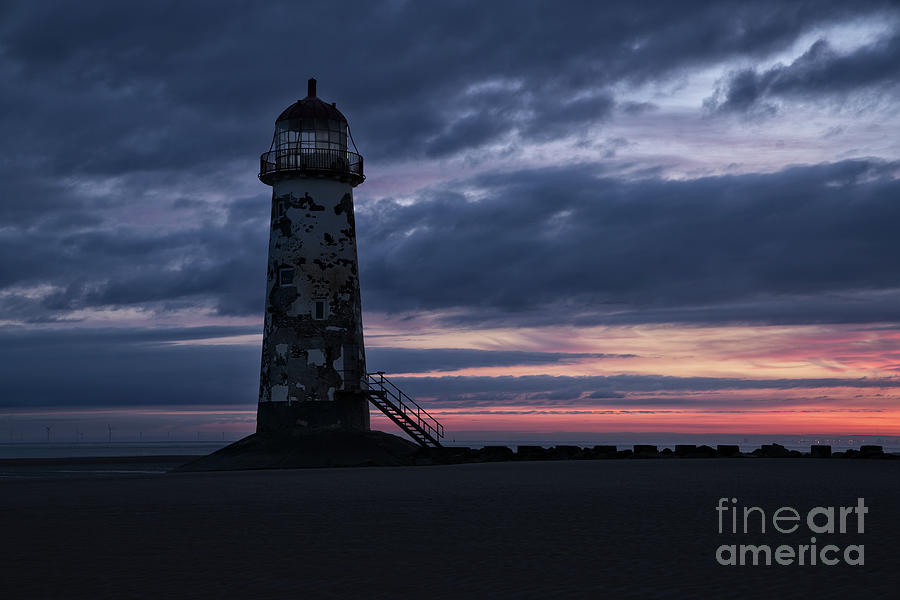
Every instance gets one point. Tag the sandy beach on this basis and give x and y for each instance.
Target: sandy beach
(563, 529)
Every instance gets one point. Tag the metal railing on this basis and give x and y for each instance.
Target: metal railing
(312, 160)
(406, 405)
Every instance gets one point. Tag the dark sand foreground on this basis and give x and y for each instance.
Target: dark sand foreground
(565, 529)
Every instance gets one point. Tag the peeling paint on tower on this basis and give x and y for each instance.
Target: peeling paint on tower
(313, 356)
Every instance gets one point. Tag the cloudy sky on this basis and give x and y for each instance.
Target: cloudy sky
(588, 217)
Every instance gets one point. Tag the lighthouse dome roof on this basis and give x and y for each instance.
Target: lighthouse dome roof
(311, 107)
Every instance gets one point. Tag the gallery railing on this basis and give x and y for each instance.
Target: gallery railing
(322, 161)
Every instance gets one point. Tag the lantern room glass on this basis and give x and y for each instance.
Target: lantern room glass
(311, 134)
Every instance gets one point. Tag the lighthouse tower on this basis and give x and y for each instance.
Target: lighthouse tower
(313, 361)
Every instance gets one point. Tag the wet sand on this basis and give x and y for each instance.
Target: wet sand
(562, 529)
(96, 466)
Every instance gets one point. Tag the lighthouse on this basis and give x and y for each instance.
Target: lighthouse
(313, 368)
(314, 391)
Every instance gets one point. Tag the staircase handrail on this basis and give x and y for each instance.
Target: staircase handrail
(379, 380)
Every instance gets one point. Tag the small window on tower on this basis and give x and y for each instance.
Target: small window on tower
(286, 276)
(280, 208)
(320, 310)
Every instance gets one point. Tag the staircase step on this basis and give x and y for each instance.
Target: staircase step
(393, 407)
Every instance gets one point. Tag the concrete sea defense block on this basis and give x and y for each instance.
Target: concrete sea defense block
(531, 453)
(703, 451)
(563, 452)
(645, 451)
(772, 451)
(870, 451)
(684, 449)
(496, 453)
(604, 452)
(729, 450)
(822, 451)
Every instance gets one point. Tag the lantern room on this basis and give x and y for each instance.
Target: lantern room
(312, 139)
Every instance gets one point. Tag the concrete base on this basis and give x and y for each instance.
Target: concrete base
(349, 411)
(326, 449)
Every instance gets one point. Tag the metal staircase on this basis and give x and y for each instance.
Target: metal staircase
(403, 410)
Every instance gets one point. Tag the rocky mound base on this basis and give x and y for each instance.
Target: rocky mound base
(331, 449)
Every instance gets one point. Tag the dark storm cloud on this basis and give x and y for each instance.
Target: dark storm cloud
(125, 368)
(819, 74)
(411, 360)
(488, 116)
(184, 95)
(107, 88)
(546, 246)
(571, 245)
(202, 262)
